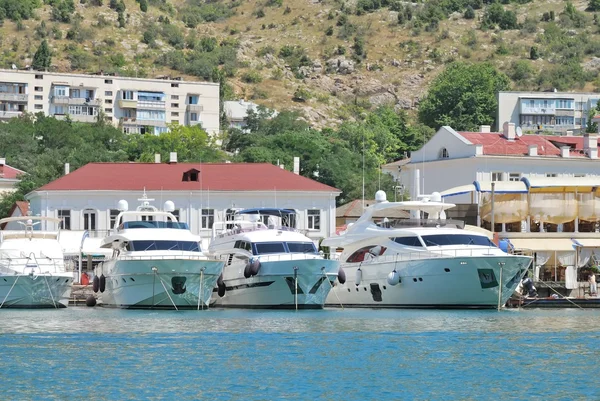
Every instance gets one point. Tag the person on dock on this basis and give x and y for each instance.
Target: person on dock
(593, 287)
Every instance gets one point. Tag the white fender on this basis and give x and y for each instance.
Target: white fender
(393, 278)
(358, 276)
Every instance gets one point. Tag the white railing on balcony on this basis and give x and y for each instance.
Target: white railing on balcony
(75, 101)
(10, 114)
(150, 104)
(548, 110)
(13, 97)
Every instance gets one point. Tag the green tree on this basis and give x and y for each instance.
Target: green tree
(144, 5)
(42, 59)
(594, 5)
(463, 96)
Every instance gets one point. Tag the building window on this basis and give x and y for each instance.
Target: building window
(89, 220)
(38, 107)
(38, 97)
(578, 175)
(175, 105)
(551, 175)
(108, 81)
(314, 219)
(191, 175)
(208, 218)
(497, 176)
(113, 218)
(65, 219)
(193, 116)
(174, 85)
(108, 101)
(444, 153)
(514, 177)
(39, 89)
(174, 114)
(174, 97)
(193, 99)
(127, 95)
(107, 93)
(108, 110)
(39, 76)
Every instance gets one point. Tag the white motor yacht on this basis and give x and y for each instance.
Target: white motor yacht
(269, 265)
(32, 267)
(157, 263)
(421, 262)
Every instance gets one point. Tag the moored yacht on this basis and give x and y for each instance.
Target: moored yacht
(157, 263)
(270, 265)
(421, 262)
(32, 268)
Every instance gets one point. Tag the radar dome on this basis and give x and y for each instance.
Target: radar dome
(380, 196)
(123, 206)
(436, 197)
(169, 206)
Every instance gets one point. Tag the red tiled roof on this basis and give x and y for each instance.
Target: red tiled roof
(23, 207)
(9, 172)
(169, 177)
(497, 144)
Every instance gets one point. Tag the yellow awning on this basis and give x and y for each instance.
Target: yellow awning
(562, 184)
(543, 244)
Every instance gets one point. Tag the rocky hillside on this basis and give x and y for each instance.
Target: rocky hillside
(329, 58)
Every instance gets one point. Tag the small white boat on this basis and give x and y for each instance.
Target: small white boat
(421, 263)
(269, 265)
(32, 267)
(157, 263)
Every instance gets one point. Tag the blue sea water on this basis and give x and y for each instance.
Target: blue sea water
(104, 354)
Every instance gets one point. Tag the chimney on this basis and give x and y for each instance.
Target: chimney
(533, 150)
(478, 149)
(173, 157)
(485, 129)
(157, 158)
(590, 145)
(2, 161)
(67, 168)
(564, 151)
(508, 130)
(296, 165)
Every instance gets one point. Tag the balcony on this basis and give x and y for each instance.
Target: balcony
(541, 110)
(9, 114)
(75, 101)
(195, 108)
(132, 121)
(13, 97)
(82, 118)
(127, 104)
(151, 104)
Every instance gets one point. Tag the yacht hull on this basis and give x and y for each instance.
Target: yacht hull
(159, 283)
(453, 283)
(274, 287)
(27, 291)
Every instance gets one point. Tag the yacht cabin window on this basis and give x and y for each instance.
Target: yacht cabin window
(366, 253)
(408, 241)
(269, 247)
(261, 248)
(301, 247)
(456, 239)
(189, 246)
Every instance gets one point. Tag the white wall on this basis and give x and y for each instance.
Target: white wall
(190, 205)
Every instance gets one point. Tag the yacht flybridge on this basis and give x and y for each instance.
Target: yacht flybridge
(156, 262)
(32, 268)
(421, 262)
(268, 263)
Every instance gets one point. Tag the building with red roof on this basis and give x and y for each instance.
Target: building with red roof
(203, 193)
(9, 176)
(453, 159)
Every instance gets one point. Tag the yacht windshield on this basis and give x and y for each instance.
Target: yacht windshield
(261, 248)
(301, 247)
(189, 246)
(269, 247)
(154, 224)
(456, 239)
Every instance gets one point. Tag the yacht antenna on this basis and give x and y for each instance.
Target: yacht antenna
(363, 173)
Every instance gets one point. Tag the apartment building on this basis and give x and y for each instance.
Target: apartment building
(138, 105)
(556, 112)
